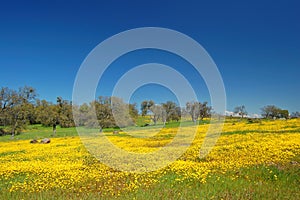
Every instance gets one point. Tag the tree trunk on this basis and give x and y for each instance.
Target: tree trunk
(194, 120)
(13, 132)
(54, 129)
(13, 129)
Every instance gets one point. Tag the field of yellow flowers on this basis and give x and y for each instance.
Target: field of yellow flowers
(259, 160)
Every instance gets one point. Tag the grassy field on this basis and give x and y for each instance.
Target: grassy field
(251, 160)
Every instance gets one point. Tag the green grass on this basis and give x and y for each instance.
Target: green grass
(262, 131)
(39, 132)
(256, 182)
(11, 153)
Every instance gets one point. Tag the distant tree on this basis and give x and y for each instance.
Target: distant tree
(28, 94)
(64, 108)
(198, 109)
(157, 113)
(121, 112)
(47, 114)
(145, 106)
(41, 112)
(16, 107)
(81, 114)
(172, 111)
(176, 115)
(104, 112)
(87, 117)
(6, 102)
(133, 111)
(184, 113)
(193, 108)
(284, 114)
(164, 116)
(295, 115)
(271, 111)
(31, 114)
(240, 110)
(205, 110)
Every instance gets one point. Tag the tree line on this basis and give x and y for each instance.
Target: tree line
(268, 112)
(21, 107)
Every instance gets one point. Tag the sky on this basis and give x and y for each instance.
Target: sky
(254, 44)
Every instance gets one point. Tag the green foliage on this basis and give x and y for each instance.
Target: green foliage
(164, 112)
(283, 114)
(105, 112)
(64, 110)
(121, 112)
(271, 111)
(16, 108)
(145, 106)
(173, 112)
(198, 109)
(47, 113)
(157, 113)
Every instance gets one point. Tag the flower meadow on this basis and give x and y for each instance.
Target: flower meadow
(251, 160)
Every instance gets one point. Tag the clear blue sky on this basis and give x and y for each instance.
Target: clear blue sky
(255, 44)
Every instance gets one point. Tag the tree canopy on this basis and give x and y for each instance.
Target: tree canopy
(21, 107)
